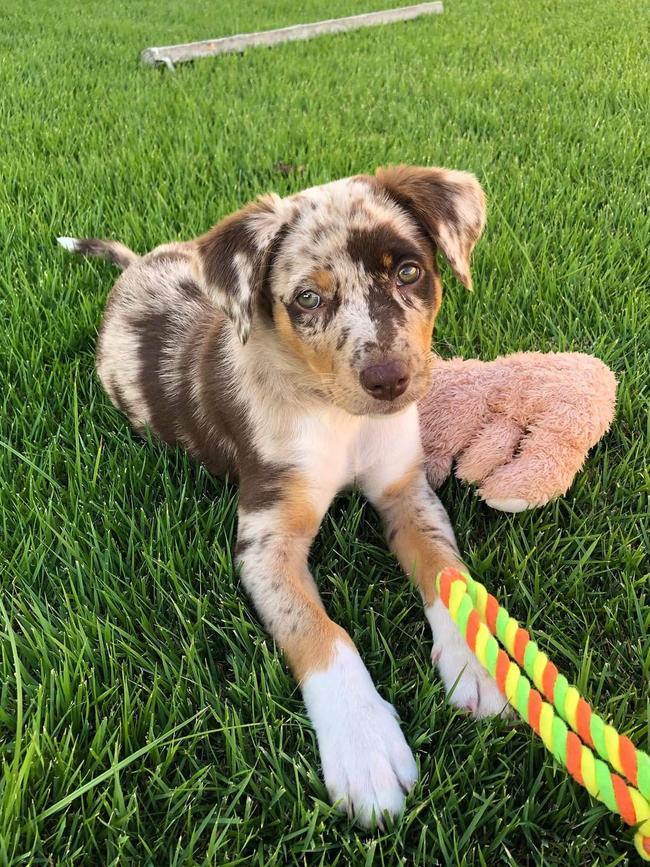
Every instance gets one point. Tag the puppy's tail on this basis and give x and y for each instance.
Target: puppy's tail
(115, 252)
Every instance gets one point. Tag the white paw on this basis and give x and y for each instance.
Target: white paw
(469, 685)
(367, 765)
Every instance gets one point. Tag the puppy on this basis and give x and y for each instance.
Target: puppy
(288, 347)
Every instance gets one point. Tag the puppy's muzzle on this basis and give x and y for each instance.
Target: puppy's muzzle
(387, 380)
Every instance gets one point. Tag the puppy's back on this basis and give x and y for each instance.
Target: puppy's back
(158, 333)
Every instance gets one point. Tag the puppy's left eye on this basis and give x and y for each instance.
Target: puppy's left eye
(309, 300)
(408, 273)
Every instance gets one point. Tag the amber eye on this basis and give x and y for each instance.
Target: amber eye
(309, 300)
(408, 273)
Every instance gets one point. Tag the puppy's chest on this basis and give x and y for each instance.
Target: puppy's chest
(335, 450)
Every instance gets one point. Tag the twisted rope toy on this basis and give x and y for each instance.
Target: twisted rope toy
(481, 620)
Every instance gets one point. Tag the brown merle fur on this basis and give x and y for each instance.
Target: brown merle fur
(206, 344)
(175, 370)
(182, 314)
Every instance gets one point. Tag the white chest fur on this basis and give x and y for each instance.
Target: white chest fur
(334, 449)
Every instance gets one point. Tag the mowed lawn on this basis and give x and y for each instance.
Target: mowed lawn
(144, 716)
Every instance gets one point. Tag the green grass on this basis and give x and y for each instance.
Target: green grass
(144, 717)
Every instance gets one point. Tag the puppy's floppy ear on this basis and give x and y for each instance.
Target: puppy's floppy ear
(233, 257)
(449, 206)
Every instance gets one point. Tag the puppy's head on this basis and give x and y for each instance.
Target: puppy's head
(344, 278)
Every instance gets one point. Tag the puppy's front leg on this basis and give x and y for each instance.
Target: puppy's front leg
(420, 535)
(367, 765)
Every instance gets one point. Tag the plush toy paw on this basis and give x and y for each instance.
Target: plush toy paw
(518, 427)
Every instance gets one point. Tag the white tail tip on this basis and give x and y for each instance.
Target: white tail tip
(68, 243)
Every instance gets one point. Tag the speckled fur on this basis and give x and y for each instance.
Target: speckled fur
(204, 343)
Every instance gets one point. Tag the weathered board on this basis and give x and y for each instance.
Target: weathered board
(171, 54)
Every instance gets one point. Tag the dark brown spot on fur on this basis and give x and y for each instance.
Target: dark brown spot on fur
(424, 194)
(210, 445)
(118, 397)
(386, 312)
(191, 290)
(154, 332)
(261, 485)
(218, 247)
(358, 209)
(370, 246)
(225, 412)
(236, 236)
(331, 307)
(265, 294)
(243, 544)
(343, 336)
(199, 410)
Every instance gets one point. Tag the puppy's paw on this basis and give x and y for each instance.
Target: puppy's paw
(367, 765)
(468, 684)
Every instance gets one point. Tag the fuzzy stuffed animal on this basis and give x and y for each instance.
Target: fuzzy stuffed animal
(519, 427)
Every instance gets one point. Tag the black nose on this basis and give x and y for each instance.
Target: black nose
(385, 381)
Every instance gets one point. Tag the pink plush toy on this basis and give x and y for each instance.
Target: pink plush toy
(519, 427)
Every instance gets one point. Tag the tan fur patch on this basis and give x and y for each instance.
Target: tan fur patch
(398, 487)
(421, 332)
(323, 279)
(321, 363)
(437, 289)
(420, 552)
(297, 516)
(310, 651)
(423, 558)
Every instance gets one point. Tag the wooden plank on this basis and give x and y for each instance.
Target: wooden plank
(171, 54)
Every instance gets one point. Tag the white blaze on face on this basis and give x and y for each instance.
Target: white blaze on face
(361, 327)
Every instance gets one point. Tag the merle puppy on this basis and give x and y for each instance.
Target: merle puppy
(289, 346)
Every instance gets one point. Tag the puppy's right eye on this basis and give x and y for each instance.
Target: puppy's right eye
(408, 273)
(308, 300)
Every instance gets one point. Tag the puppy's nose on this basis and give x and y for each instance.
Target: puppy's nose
(387, 380)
